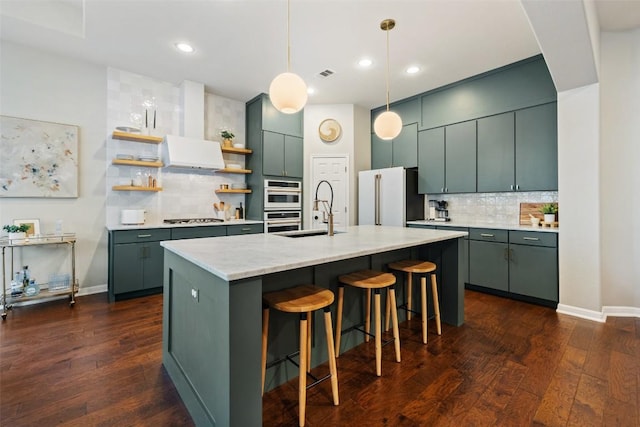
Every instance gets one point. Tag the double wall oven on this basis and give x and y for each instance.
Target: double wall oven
(282, 205)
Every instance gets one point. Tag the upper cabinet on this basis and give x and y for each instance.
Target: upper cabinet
(496, 153)
(283, 155)
(400, 151)
(447, 159)
(537, 148)
(275, 121)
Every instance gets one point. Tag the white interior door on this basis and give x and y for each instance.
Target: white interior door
(334, 170)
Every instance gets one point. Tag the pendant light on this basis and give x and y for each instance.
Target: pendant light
(388, 124)
(288, 92)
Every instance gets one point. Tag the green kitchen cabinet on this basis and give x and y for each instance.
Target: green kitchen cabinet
(536, 146)
(275, 121)
(496, 153)
(282, 155)
(136, 262)
(533, 264)
(197, 232)
(431, 161)
(489, 258)
(236, 229)
(400, 151)
(409, 111)
(447, 159)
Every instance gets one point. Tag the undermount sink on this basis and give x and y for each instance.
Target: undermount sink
(305, 233)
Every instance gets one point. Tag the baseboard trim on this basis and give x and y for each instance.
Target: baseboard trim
(613, 311)
(89, 290)
(583, 313)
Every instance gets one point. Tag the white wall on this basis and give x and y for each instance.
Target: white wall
(620, 168)
(40, 86)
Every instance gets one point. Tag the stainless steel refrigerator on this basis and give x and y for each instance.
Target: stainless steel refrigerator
(389, 197)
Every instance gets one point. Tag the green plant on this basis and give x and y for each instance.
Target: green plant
(549, 208)
(227, 134)
(22, 228)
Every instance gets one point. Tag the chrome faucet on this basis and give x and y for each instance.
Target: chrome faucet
(327, 215)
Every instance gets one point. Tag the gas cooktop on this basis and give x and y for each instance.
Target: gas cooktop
(191, 220)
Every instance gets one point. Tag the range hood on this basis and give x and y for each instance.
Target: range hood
(185, 152)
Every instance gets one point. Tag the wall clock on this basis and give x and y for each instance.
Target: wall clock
(329, 130)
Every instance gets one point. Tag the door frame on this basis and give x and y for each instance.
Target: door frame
(308, 219)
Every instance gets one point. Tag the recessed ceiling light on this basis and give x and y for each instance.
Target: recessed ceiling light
(184, 47)
(365, 62)
(311, 90)
(413, 69)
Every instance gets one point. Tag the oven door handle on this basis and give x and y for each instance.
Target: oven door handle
(282, 190)
(283, 221)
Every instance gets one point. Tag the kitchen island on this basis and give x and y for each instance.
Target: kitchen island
(213, 298)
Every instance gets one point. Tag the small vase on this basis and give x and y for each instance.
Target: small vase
(17, 236)
(549, 218)
(227, 143)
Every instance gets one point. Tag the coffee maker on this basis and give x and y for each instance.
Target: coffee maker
(438, 210)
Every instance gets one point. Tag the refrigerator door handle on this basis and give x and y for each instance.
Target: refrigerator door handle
(376, 202)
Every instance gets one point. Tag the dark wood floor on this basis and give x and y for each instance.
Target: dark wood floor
(511, 364)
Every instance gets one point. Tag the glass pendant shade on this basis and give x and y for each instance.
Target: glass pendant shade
(288, 93)
(387, 125)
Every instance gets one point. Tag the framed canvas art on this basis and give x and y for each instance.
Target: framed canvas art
(38, 159)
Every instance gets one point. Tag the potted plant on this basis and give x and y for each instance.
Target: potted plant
(16, 231)
(227, 137)
(549, 210)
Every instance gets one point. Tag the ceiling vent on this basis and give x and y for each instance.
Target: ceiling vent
(325, 73)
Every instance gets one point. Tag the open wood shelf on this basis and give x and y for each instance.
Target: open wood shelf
(137, 163)
(137, 137)
(233, 170)
(247, 191)
(132, 188)
(234, 150)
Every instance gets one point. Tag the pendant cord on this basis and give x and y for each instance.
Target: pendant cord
(288, 36)
(387, 69)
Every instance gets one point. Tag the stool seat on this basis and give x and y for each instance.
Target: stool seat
(413, 266)
(368, 279)
(301, 299)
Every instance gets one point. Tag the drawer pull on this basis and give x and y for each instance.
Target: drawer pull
(535, 239)
(486, 235)
(246, 229)
(144, 235)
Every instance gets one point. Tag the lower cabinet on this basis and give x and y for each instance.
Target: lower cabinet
(519, 263)
(136, 259)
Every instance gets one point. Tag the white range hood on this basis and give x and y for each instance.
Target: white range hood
(191, 150)
(184, 152)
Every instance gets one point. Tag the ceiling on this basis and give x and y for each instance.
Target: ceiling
(241, 44)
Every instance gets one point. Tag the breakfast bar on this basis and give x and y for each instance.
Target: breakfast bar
(213, 298)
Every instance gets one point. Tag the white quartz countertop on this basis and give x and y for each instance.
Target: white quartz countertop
(250, 255)
(480, 224)
(163, 225)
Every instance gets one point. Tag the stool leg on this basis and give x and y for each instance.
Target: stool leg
(387, 312)
(436, 303)
(394, 315)
(339, 319)
(367, 315)
(332, 356)
(409, 295)
(265, 332)
(423, 298)
(378, 332)
(302, 383)
(309, 321)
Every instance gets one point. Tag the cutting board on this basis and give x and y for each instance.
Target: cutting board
(534, 209)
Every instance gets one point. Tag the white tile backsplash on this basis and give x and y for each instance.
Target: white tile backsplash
(185, 193)
(491, 208)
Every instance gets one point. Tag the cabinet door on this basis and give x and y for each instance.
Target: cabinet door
(488, 265)
(293, 156)
(431, 161)
(275, 121)
(127, 267)
(405, 147)
(153, 262)
(460, 158)
(496, 153)
(537, 148)
(533, 271)
(381, 153)
(234, 230)
(272, 154)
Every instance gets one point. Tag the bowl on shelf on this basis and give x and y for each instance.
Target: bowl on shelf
(239, 186)
(238, 145)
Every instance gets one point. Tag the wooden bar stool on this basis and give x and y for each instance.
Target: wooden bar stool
(411, 266)
(303, 299)
(376, 280)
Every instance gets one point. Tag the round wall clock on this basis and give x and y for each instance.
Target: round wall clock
(329, 130)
